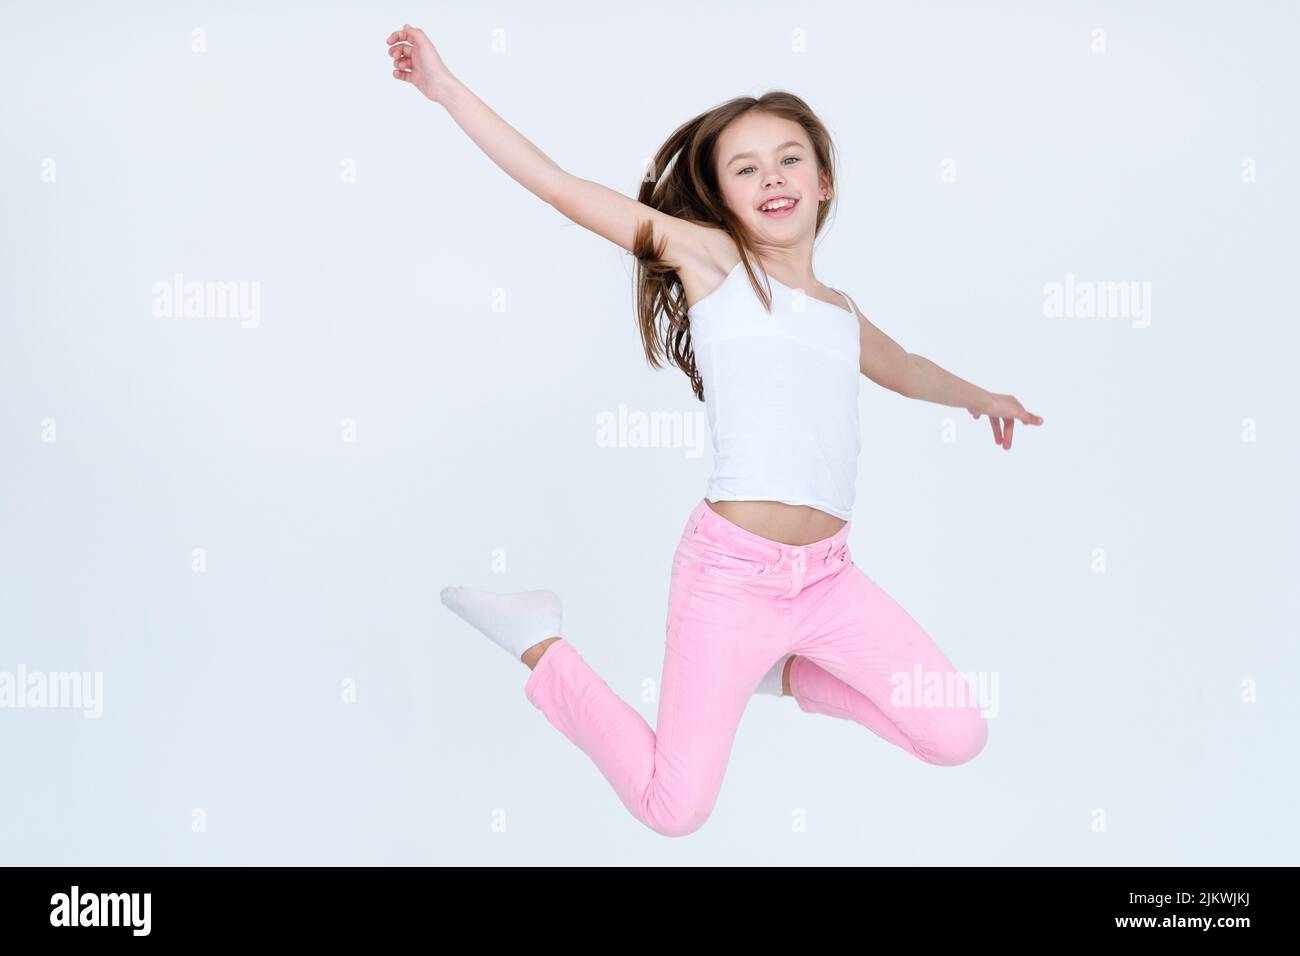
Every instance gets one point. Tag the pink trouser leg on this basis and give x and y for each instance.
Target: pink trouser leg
(864, 658)
(737, 604)
(668, 778)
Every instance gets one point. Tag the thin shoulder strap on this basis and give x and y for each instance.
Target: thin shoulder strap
(853, 307)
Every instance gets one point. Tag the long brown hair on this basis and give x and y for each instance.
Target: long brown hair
(688, 189)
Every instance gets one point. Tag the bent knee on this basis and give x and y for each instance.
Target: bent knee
(677, 821)
(961, 741)
(677, 827)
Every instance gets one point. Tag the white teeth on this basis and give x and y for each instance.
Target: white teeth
(778, 204)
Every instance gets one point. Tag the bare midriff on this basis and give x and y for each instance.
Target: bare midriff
(778, 521)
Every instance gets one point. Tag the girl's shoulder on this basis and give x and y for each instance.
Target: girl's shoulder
(717, 256)
(722, 251)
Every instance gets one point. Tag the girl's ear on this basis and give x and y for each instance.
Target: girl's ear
(825, 184)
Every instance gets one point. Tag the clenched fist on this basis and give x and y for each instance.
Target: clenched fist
(417, 62)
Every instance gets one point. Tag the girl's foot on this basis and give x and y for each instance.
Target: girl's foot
(515, 621)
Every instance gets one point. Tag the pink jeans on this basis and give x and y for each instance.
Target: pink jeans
(737, 603)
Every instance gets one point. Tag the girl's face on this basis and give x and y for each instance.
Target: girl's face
(761, 158)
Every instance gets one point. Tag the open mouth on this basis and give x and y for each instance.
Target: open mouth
(783, 208)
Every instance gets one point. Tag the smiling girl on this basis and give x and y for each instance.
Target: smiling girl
(763, 592)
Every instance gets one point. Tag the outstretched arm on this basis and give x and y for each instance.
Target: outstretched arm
(886, 363)
(604, 211)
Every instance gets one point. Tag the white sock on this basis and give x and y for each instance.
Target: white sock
(772, 683)
(514, 621)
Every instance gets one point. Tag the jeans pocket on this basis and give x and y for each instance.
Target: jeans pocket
(717, 563)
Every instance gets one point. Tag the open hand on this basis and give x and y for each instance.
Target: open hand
(1003, 410)
(417, 62)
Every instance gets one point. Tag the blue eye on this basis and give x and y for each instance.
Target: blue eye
(795, 158)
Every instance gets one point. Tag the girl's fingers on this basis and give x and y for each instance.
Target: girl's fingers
(1029, 418)
(401, 54)
(997, 429)
(1011, 423)
(407, 34)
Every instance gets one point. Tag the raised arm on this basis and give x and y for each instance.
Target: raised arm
(889, 365)
(604, 211)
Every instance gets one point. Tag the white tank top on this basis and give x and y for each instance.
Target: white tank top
(781, 391)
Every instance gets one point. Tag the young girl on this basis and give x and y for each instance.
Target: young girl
(763, 594)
